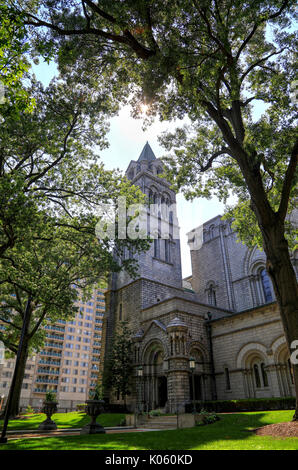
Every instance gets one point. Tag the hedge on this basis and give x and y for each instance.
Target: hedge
(249, 404)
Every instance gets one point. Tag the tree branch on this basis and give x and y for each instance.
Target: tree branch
(208, 165)
(288, 182)
(255, 27)
(258, 62)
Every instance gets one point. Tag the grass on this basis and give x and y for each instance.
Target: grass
(63, 420)
(232, 432)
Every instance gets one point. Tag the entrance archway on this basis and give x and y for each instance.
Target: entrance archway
(155, 379)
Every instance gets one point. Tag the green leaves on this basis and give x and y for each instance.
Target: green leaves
(120, 365)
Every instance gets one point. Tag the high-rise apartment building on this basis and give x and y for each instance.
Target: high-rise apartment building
(69, 362)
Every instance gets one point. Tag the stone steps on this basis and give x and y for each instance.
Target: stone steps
(161, 422)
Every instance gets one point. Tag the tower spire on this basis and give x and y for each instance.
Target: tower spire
(147, 153)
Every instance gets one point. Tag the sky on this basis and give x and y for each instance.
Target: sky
(127, 139)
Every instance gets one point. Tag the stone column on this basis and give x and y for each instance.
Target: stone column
(178, 384)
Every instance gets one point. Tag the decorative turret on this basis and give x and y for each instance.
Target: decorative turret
(177, 331)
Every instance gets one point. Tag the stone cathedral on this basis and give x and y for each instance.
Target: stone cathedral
(224, 316)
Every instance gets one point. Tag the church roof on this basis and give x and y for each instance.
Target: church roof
(147, 154)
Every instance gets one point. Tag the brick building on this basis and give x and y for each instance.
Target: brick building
(224, 315)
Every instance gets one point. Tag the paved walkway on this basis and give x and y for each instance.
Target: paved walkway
(36, 433)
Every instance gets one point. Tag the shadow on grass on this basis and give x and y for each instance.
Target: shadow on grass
(233, 431)
(63, 420)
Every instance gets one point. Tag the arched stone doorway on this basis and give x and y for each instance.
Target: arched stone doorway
(155, 378)
(284, 371)
(197, 383)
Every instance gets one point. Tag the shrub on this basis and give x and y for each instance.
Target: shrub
(29, 409)
(248, 404)
(81, 407)
(155, 413)
(206, 417)
(50, 396)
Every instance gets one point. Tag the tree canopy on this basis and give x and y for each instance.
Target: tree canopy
(209, 61)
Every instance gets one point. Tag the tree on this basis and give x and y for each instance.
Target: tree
(117, 374)
(13, 63)
(208, 61)
(51, 188)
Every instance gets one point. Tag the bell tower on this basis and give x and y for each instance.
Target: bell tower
(162, 262)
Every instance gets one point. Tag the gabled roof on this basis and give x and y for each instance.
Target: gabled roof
(147, 154)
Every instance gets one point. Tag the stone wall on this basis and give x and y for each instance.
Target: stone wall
(242, 340)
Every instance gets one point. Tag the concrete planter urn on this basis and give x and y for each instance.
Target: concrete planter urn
(49, 408)
(93, 409)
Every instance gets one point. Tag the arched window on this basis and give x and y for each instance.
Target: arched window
(211, 294)
(227, 377)
(260, 374)
(264, 375)
(257, 376)
(167, 250)
(211, 231)
(266, 285)
(157, 247)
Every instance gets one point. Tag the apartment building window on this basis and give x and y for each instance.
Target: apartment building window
(67, 362)
(89, 310)
(88, 325)
(74, 381)
(69, 345)
(66, 371)
(74, 389)
(70, 337)
(68, 353)
(75, 372)
(82, 390)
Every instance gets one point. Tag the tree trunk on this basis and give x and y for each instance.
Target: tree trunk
(276, 248)
(20, 372)
(284, 282)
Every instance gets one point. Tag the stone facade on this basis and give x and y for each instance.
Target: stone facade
(224, 315)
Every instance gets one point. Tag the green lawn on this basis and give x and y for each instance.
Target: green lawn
(63, 420)
(232, 432)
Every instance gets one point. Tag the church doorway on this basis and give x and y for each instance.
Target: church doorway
(197, 387)
(162, 394)
(155, 380)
